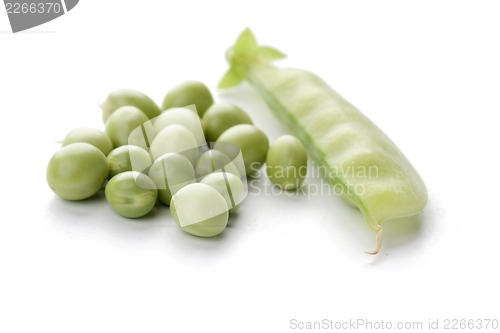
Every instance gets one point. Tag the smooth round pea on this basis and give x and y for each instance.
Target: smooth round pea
(122, 122)
(175, 139)
(128, 158)
(200, 210)
(214, 160)
(143, 135)
(253, 143)
(221, 116)
(189, 93)
(181, 116)
(77, 171)
(286, 163)
(91, 136)
(131, 194)
(124, 97)
(171, 172)
(229, 186)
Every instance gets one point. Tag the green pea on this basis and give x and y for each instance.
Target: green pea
(175, 139)
(122, 122)
(143, 135)
(128, 158)
(171, 172)
(221, 116)
(253, 143)
(200, 210)
(214, 160)
(189, 93)
(124, 97)
(287, 162)
(229, 186)
(181, 116)
(131, 194)
(89, 135)
(77, 171)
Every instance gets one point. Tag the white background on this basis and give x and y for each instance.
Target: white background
(427, 72)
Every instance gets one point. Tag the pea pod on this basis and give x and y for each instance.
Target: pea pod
(337, 135)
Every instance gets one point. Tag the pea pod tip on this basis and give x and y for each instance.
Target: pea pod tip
(378, 240)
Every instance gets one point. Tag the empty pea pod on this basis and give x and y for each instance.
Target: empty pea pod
(336, 134)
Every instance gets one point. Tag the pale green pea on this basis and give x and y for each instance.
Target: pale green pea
(91, 136)
(131, 194)
(77, 171)
(229, 186)
(200, 210)
(128, 158)
(214, 160)
(286, 163)
(253, 143)
(171, 172)
(189, 93)
(181, 116)
(122, 122)
(142, 135)
(124, 97)
(221, 116)
(175, 139)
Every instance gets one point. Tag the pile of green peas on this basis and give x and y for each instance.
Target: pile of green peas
(192, 155)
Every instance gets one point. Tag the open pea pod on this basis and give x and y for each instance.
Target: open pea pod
(351, 151)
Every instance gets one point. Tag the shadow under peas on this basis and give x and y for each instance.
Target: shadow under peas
(94, 216)
(67, 209)
(95, 211)
(402, 231)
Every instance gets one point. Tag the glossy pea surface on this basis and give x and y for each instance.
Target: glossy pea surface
(77, 171)
(221, 116)
(286, 163)
(128, 158)
(200, 210)
(189, 93)
(91, 136)
(253, 143)
(175, 139)
(131, 194)
(171, 172)
(122, 122)
(229, 186)
(129, 97)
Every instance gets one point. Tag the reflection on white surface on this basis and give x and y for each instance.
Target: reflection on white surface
(427, 74)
